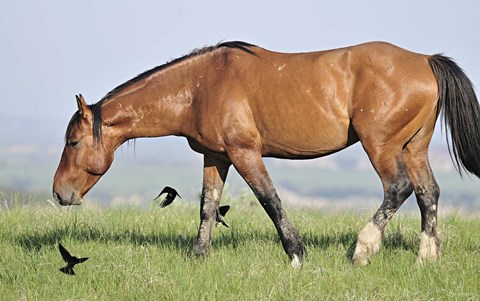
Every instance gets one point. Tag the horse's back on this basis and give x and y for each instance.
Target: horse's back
(293, 98)
(306, 104)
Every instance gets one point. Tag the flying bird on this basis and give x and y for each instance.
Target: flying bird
(220, 214)
(171, 195)
(70, 260)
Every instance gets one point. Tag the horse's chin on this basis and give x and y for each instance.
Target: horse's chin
(74, 202)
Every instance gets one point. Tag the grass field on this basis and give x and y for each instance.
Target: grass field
(144, 254)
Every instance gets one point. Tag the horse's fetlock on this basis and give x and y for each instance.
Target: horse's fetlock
(201, 250)
(429, 249)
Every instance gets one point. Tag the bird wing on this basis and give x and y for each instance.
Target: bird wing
(171, 194)
(80, 260)
(67, 257)
(220, 214)
(223, 210)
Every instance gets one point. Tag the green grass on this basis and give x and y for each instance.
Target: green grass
(144, 254)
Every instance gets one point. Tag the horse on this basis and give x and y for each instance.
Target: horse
(236, 102)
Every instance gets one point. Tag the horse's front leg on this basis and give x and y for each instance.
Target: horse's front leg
(214, 175)
(249, 165)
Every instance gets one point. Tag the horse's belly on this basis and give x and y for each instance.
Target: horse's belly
(308, 141)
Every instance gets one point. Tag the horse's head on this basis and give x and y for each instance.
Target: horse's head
(87, 155)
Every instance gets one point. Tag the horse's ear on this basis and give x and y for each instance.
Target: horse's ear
(82, 105)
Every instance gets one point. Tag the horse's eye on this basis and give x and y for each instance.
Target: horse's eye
(72, 143)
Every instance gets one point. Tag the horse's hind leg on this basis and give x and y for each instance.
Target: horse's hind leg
(397, 186)
(250, 166)
(426, 191)
(214, 175)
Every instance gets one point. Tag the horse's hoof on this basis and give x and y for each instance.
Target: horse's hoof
(360, 260)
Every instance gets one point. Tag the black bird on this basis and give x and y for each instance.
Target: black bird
(70, 260)
(171, 194)
(220, 214)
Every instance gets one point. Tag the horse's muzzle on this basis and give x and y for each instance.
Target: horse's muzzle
(72, 200)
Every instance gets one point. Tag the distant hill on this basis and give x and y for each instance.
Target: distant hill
(141, 170)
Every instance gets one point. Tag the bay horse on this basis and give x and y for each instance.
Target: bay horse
(236, 103)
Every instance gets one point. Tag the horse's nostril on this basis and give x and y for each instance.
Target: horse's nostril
(56, 196)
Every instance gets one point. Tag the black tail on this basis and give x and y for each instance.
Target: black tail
(461, 113)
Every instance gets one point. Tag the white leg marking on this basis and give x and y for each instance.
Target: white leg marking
(368, 243)
(296, 262)
(429, 249)
(215, 194)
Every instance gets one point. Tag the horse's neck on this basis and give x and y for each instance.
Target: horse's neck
(156, 106)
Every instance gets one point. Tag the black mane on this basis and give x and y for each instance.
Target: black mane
(96, 108)
(196, 52)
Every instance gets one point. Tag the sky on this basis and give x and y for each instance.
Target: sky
(53, 50)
